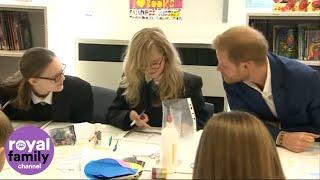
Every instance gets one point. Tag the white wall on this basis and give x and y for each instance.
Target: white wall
(202, 21)
(108, 19)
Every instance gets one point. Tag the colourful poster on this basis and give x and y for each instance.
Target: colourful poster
(156, 9)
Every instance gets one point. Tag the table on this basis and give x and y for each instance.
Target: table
(68, 161)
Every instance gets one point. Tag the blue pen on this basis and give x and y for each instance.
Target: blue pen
(115, 146)
(110, 140)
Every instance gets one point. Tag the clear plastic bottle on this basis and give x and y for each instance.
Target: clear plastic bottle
(169, 145)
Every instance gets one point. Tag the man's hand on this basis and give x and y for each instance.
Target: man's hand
(140, 120)
(298, 141)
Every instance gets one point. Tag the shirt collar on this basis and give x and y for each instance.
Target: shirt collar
(267, 85)
(37, 100)
(147, 79)
(267, 89)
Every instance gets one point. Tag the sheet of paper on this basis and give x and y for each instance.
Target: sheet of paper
(40, 124)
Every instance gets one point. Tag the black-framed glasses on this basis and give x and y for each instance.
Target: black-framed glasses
(57, 77)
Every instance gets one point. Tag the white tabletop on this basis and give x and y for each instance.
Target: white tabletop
(68, 161)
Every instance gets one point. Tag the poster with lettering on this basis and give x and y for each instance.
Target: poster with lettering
(156, 9)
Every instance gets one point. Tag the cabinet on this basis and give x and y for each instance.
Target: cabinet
(21, 27)
(302, 29)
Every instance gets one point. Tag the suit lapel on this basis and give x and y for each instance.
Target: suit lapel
(277, 82)
(259, 105)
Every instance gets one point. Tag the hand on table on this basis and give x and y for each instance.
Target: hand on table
(298, 141)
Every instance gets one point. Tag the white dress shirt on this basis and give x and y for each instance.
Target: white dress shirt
(267, 91)
(37, 100)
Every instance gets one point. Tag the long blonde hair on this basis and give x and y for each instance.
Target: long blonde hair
(5, 129)
(236, 145)
(137, 58)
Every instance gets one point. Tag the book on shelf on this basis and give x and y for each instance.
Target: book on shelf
(25, 30)
(302, 29)
(300, 41)
(313, 45)
(1, 34)
(285, 40)
(15, 31)
(4, 43)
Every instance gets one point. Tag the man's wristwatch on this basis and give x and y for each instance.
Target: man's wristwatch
(279, 140)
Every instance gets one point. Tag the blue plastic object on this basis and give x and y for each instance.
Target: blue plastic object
(107, 168)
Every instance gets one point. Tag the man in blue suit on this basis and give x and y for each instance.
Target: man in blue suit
(283, 93)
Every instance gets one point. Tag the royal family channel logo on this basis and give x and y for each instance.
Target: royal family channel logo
(29, 150)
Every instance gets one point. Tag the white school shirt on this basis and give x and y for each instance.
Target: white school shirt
(37, 100)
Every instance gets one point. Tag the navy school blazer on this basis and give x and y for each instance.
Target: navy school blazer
(296, 94)
(118, 113)
(73, 104)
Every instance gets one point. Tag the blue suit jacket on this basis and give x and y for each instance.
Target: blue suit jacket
(296, 94)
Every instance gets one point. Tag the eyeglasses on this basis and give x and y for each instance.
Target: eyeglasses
(56, 78)
(157, 62)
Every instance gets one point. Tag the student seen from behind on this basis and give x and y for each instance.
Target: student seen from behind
(236, 145)
(5, 131)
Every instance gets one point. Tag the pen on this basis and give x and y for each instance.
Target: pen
(110, 140)
(134, 121)
(4, 106)
(115, 146)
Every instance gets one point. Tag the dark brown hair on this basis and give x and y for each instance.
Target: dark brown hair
(242, 43)
(236, 145)
(32, 64)
(5, 128)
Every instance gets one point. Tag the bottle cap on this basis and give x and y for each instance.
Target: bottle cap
(159, 173)
(169, 118)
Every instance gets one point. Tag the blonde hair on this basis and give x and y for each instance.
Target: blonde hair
(5, 128)
(242, 43)
(236, 145)
(137, 58)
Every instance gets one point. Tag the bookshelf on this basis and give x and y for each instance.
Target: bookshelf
(269, 23)
(21, 27)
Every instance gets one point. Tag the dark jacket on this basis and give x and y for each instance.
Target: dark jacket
(119, 111)
(73, 104)
(296, 94)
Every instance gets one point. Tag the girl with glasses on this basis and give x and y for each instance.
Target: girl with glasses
(152, 73)
(40, 91)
